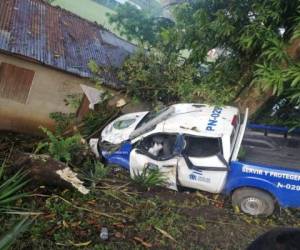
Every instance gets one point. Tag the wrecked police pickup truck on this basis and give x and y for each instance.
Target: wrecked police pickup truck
(208, 148)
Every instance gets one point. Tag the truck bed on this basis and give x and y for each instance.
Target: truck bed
(271, 150)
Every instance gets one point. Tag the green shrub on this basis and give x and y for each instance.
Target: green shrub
(62, 121)
(73, 101)
(61, 149)
(96, 171)
(94, 120)
(149, 178)
(100, 171)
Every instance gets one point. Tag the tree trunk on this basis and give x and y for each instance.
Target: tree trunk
(252, 97)
(42, 170)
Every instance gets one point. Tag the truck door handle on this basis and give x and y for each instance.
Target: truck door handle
(168, 166)
(209, 168)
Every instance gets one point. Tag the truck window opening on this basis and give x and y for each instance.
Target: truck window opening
(159, 145)
(202, 146)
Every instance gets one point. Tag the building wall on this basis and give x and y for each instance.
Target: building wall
(47, 93)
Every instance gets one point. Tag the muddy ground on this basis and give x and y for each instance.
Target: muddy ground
(136, 218)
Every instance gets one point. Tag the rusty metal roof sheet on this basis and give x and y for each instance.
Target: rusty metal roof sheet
(58, 38)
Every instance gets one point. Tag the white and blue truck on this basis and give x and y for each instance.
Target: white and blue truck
(211, 149)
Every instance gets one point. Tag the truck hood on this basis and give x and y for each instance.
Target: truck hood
(120, 129)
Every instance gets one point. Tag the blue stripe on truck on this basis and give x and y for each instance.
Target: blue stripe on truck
(274, 129)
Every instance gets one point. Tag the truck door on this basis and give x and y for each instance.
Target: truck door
(157, 151)
(202, 165)
(240, 137)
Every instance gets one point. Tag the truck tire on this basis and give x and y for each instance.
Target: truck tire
(253, 201)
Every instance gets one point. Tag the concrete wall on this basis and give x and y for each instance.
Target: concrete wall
(47, 93)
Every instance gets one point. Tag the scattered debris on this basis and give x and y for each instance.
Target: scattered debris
(121, 103)
(144, 243)
(68, 175)
(119, 235)
(93, 95)
(166, 234)
(81, 244)
(104, 233)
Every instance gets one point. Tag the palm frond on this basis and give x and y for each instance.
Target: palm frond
(7, 240)
(9, 188)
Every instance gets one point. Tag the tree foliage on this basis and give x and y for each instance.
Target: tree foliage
(154, 77)
(139, 25)
(252, 39)
(254, 34)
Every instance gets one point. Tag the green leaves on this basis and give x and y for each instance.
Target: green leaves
(250, 37)
(93, 66)
(149, 178)
(62, 149)
(293, 74)
(296, 33)
(9, 189)
(270, 78)
(279, 79)
(158, 77)
(253, 33)
(7, 240)
(274, 51)
(62, 121)
(139, 25)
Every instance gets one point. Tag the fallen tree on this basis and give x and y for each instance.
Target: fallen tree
(42, 170)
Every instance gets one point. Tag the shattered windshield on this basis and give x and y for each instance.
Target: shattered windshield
(150, 116)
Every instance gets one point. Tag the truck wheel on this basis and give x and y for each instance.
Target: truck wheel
(253, 201)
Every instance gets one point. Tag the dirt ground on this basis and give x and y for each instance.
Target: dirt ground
(135, 218)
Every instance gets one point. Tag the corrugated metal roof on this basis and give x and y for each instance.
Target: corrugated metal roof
(58, 38)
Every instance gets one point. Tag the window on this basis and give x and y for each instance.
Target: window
(15, 82)
(121, 124)
(159, 145)
(202, 146)
(150, 116)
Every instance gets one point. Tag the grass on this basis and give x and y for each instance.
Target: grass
(10, 192)
(159, 219)
(89, 10)
(8, 239)
(156, 219)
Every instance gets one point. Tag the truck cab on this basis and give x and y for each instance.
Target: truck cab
(197, 140)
